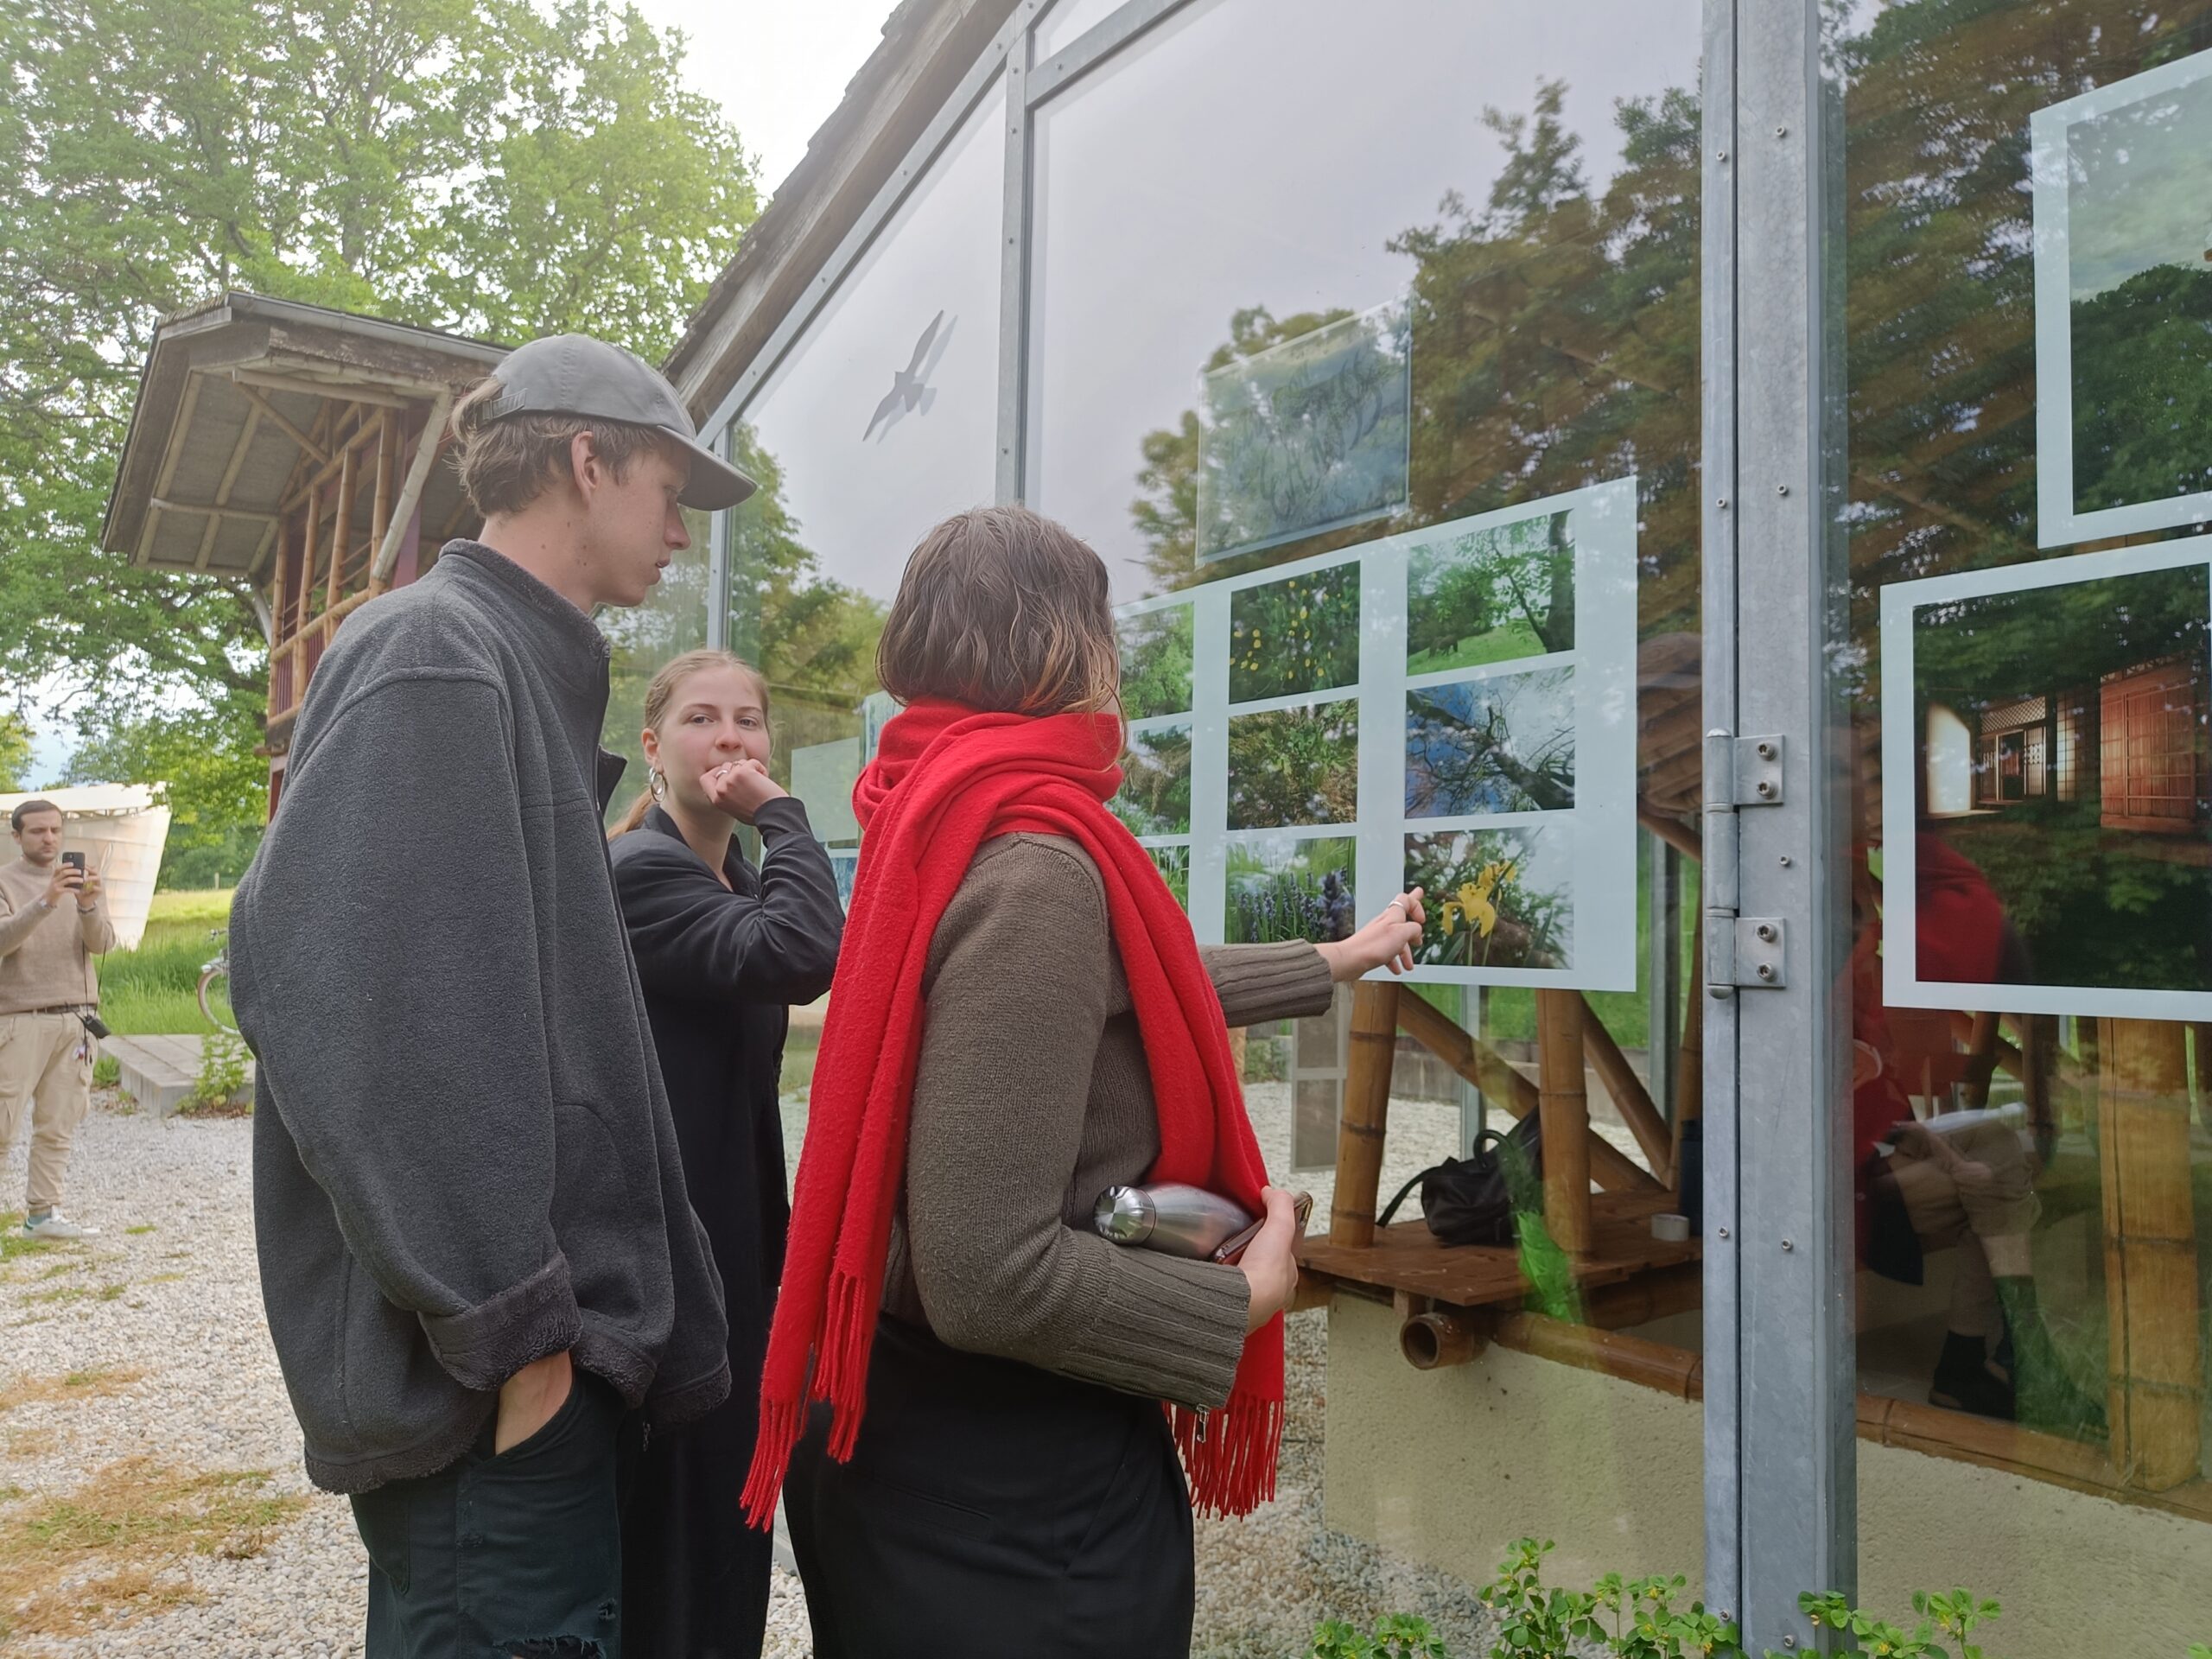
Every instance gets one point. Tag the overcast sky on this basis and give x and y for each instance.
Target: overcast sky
(777, 66)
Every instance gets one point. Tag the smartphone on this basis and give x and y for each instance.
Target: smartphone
(1233, 1246)
(74, 860)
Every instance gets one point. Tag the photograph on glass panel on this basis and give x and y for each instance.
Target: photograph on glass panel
(823, 776)
(1297, 766)
(1283, 888)
(1173, 864)
(2056, 836)
(1155, 662)
(1296, 635)
(1155, 793)
(2123, 249)
(845, 868)
(1503, 743)
(1496, 899)
(1307, 434)
(1492, 594)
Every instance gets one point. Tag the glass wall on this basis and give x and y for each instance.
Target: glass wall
(672, 621)
(2020, 488)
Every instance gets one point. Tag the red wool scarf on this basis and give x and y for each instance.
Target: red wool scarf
(947, 779)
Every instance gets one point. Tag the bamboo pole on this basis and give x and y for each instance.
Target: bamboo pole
(2157, 1371)
(341, 531)
(1484, 1067)
(1689, 1058)
(1565, 1107)
(380, 515)
(1367, 1112)
(276, 595)
(1628, 1095)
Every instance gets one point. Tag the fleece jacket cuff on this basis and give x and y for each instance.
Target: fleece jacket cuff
(482, 1346)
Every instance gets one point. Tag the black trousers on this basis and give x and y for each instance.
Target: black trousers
(512, 1556)
(695, 1576)
(991, 1510)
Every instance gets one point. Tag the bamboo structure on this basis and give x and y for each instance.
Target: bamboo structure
(2157, 1370)
(1630, 1098)
(1366, 1111)
(1565, 1107)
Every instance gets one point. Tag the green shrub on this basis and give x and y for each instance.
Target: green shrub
(107, 1071)
(1400, 1636)
(222, 1070)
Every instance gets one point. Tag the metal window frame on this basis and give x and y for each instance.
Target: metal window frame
(1781, 1469)
(1779, 1453)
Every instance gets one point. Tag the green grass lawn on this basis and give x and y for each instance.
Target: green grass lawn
(1498, 645)
(149, 991)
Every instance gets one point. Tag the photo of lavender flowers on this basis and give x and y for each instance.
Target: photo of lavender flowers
(1495, 898)
(1285, 887)
(1500, 745)
(1156, 648)
(1294, 765)
(1298, 634)
(1155, 794)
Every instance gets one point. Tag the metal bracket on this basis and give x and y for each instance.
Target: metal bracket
(1741, 952)
(1746, 953)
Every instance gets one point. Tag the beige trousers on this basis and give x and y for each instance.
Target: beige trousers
(46, 1063)
(1984, 1203)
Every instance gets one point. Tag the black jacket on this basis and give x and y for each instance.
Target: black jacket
(463, 1159)
(720, 966)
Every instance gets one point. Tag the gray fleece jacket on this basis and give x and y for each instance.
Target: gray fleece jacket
(463, 1157)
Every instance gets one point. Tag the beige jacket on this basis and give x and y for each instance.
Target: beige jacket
(1033, 1096)
(46, 956)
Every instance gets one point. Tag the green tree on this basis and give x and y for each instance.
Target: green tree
(476, 165)
(15, 752)
(202, 763)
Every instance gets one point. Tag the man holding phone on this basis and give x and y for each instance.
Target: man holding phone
(53, 924)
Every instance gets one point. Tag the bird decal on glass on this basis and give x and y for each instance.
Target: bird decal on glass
(911, 391)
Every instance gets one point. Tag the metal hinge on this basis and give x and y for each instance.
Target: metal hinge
(1741, 952)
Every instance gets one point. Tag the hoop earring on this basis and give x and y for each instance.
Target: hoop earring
(658, 782)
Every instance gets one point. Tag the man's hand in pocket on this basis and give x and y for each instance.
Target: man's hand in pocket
(529, 1399)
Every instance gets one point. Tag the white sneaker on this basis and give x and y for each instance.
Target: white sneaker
(57, 1225)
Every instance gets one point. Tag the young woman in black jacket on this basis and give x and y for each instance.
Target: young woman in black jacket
(723, 949)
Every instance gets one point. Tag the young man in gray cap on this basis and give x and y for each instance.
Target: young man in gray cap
(476, 1248)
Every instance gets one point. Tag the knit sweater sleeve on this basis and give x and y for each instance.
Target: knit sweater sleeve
(1022, 987)
(1259, 983)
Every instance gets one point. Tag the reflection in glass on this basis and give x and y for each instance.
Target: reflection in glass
(2027, 777)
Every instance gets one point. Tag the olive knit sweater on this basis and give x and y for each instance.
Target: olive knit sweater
(1032, 1097)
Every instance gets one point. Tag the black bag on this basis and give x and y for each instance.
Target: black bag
(1471, 1200)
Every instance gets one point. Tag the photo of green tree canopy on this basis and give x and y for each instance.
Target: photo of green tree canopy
(2063, 739)
(1156, 663)
(1491, 595)
(2140, 297)
(1495, 898)
(1294, 765)
(1298, 634)
(1155, 794)
(1504, 744)
(1286, 887)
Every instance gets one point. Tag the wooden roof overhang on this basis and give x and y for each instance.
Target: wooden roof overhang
(230, 398)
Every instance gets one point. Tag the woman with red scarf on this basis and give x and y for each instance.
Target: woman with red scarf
(1020, 1019)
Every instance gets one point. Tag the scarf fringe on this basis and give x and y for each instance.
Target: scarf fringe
(780, 1422)
(1231, 1455)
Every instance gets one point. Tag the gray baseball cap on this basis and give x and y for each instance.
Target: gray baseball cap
(574, 374)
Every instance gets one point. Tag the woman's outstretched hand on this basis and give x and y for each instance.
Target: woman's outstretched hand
(1270, 1261)
(1388, 941)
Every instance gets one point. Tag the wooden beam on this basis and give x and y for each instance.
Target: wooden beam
(1630, 1098)
(1689, 1058)
(1672, 830)
(1366, 1111)
(411, 492)
(345, 391)
(341, 531)
(2156, 1382)
(1490, 1072)
(212, 510)
(380, 511)
(272, 412)
(1566, 1108)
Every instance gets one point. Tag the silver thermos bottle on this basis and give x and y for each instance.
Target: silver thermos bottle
(1182, 1220)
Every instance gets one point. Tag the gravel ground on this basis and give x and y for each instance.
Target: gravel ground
(168, 1292)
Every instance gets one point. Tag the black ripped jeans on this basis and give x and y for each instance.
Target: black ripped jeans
(512, 1556)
